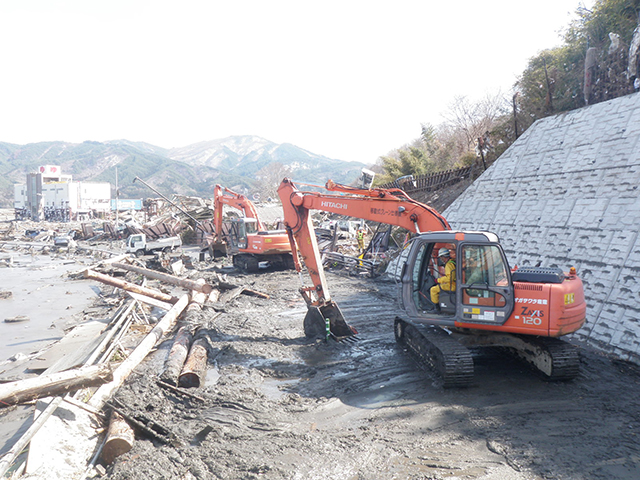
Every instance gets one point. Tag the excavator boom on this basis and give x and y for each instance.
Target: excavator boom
(225, 196)
(391, 206)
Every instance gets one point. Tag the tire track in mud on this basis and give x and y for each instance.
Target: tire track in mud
(284, 407)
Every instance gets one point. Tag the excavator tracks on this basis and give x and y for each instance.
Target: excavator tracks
(435, 349)
(556, 359)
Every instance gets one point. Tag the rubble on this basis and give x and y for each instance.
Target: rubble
(262, 402)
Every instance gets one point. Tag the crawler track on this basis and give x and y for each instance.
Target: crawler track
(436, 350)
(555, 359)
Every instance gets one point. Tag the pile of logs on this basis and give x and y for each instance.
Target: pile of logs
(185, 366)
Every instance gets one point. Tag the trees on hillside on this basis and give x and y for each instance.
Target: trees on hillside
(556, 80)
(468, 132)
(605, 38)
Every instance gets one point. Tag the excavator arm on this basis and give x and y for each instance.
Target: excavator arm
(389, 206)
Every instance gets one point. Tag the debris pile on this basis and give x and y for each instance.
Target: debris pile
(89, 382)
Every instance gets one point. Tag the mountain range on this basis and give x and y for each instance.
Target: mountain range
(234, 162)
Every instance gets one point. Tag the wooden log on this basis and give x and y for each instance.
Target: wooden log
(254, 293)
(130, 287)
(177, 356)
(247, 291)
(213, 296)
(54, 384)
(164, 277)
(101, 263)
(195, 368)
(199, 297)
(229, 295)
(120, 438)
(141, 351)
(150, 301)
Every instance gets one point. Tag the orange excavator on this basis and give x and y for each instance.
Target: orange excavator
(522, 310)
(246, 238)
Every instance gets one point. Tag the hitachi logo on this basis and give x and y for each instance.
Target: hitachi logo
(344, 206)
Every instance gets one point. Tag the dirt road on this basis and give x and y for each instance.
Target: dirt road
(277, 406)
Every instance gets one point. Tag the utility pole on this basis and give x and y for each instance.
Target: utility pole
(117, 198)
(515, 117)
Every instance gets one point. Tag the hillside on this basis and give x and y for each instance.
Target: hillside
(190, 170)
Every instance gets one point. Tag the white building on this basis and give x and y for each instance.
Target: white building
(49, 195)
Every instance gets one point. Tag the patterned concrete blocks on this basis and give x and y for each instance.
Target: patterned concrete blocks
(567, 193)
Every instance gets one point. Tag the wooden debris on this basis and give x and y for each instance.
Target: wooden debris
(245, 290)
(54, 384)
(17, 319)
(6, 294)
(130, 287)
(144, 425)
(229, 295)
(179, 391)
(177, 356)
(120, 438)
(140, 352)
(254, 293)
(214, 296)
(164, 277)
(11, 455)
(195, 368)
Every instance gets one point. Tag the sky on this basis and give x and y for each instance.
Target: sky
(350, 79)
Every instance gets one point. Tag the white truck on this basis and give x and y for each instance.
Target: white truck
(138, 244)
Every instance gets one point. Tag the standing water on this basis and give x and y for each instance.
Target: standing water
(41, 292)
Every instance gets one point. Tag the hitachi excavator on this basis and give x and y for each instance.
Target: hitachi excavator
(246, 238)
(522, 310)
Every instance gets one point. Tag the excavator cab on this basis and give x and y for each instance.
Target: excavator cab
(238, 231)
(483, 291)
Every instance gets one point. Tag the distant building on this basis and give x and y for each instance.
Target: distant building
(49, 195)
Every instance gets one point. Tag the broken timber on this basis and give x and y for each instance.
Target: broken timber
(120, 438)
(54, 384)
(130, 287)
(173, 280)
(126, 367)
(177, 356)
(195, 367)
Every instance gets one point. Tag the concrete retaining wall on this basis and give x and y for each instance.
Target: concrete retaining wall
(567, 193)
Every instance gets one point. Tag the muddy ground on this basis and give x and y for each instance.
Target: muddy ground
(278, 406)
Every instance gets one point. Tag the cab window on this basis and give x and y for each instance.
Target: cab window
(483, 267)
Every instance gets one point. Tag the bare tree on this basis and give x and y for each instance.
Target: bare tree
(469, 121)
(268, 179)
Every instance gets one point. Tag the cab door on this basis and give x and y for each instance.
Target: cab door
(412, 276)
(484, 289)
(419, 274)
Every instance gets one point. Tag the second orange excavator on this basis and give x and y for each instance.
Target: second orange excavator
(245, 238)
(487, 303)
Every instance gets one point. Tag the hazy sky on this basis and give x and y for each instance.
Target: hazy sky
(351, 80)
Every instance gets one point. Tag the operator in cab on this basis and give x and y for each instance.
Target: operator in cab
(448, 281)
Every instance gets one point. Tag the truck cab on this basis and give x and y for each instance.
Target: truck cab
(137, 243)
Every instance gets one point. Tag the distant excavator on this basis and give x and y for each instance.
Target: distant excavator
(522, 310)
(245, 238)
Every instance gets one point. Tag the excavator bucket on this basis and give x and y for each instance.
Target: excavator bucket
(315, 322)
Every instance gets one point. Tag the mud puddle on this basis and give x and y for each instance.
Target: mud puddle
(40, 292)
